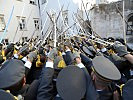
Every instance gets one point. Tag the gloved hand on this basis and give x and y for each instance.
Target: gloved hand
(120, 49)
(52, 54)
(32, 56)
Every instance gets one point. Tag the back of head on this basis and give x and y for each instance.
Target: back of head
(71, 83)
(12, 73)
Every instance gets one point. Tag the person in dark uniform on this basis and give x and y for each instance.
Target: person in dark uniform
(47, 91)
(13, 78)
(67, 55)
(127, 90)
(104, 75)
(86, 61)
(91, 92)
(122, 52)
(50, 46)
(9, 51)
(36, 68)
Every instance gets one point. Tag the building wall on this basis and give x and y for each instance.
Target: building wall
(5, 9)
(100, 1)
(107, 22)
(107, 25)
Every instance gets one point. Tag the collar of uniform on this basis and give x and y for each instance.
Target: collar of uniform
(103, 50)
(80, 65)
(63, 53)
(50, 64)
(24, 59)
(16, 56)
(68, 50)
(28, 64)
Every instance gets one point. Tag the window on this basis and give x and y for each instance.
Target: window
(24, 39)
(22, 23)
(36, 22)
(2, 23)
(33, 2)
(5, 41)
(130, 26)
(44, 1)
(65, 16)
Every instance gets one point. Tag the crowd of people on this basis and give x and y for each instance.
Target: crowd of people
(75, 69)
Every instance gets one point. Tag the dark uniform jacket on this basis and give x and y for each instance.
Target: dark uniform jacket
(68, 58)
(46, 88)
(86, 61)
(28, 92)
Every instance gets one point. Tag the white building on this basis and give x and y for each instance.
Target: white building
(25, 17)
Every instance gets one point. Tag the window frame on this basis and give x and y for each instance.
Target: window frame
(35, 24)
(2, 23)
(33, 2)
(24, 26)
(65, 16)
(130, 23)
(24, 39)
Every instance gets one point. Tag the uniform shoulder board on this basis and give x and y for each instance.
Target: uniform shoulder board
(6, 95)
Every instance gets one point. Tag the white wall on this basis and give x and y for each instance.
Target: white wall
(108, 25)
(5, 9)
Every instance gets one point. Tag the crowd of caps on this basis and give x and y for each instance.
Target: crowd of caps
(76, 69)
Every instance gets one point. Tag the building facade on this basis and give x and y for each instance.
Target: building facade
(107, 21)
(24, 20)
